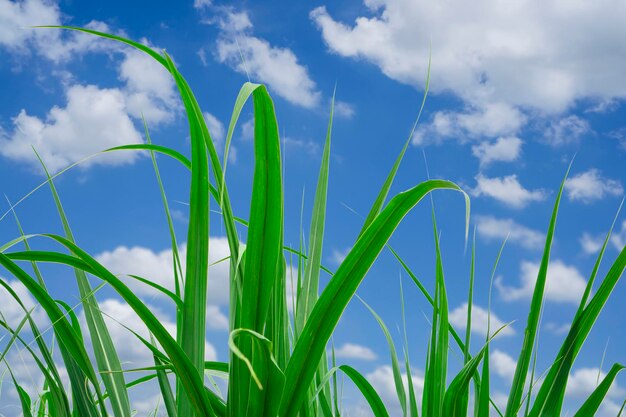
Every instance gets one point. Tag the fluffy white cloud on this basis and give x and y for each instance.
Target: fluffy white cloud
(583, 381)
(480, 49)
(505, 149)
(215, 319)
(17, 34)
(591, 244)
(218, 134)
(158, 267)
(382, 381)
(12, 313)
(506, 190)
(344, 110)
(338, 256)
(493, 228)
(590, 186)
(118, 314)
(564, 283)
(566, 130)
(149, 89)
(618, 239)
(502, 364)
(557, 329)
(480, 319)
(93, 119)
(354, 351)
(488, 119)
(277, 67)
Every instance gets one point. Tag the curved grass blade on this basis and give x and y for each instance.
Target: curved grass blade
(523, 362)
(395, 364)
(384, 191)
(203, 403)
(591, 405)
(76, 358)
(370, 394)
(107, 360)
(263, 269)
(338, 293)
(552, 391)
(268, 377)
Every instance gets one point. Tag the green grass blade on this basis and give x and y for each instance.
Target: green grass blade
(310, 283)
(203, 403)
(455, 400)
(464, 404)
(550, 396)
(370, 394)
(395, 364)
(263, 269)
(267, 375)
(75, 356)
(412, 402)
(107, 360)
(523, 362)
(335, 297)
(166, 390)
(591, 405)
(25, 400)
(384, 191)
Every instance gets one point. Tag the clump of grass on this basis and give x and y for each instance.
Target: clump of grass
(277, 364)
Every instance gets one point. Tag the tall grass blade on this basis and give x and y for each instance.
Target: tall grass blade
(338, 293)
(204, 404)
(263, 269)
(592, 404)
(384, 191)
(523, 362)
(107, 360)
(395, 364)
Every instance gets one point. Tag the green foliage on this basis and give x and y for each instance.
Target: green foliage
(278, 364)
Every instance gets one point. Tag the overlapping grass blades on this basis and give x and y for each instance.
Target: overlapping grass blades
(278, 363)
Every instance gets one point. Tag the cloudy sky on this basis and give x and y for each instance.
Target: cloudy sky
(517, 91)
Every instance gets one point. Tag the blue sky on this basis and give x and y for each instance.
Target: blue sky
(516, 93)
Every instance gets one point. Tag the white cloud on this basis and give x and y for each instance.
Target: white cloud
(149, 89)
(590, 186)
(158, 267)
(618, 239)
(200, 4)
(557, 329)
(480, 49)
(118, 314)
(566, 130)
(564, 283)
(505, 149)
(583, 381)
(506, 190)
(480, 319)
(488, 119)
(382, 381)
(277, 67)
(216, 128)
(338, 256)
(493, 228)
(502, 364)
(12, 313)
(344, 110)
(215, 319)
(92, 120)
(591, 244)
(19, 36)
(354, 351)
